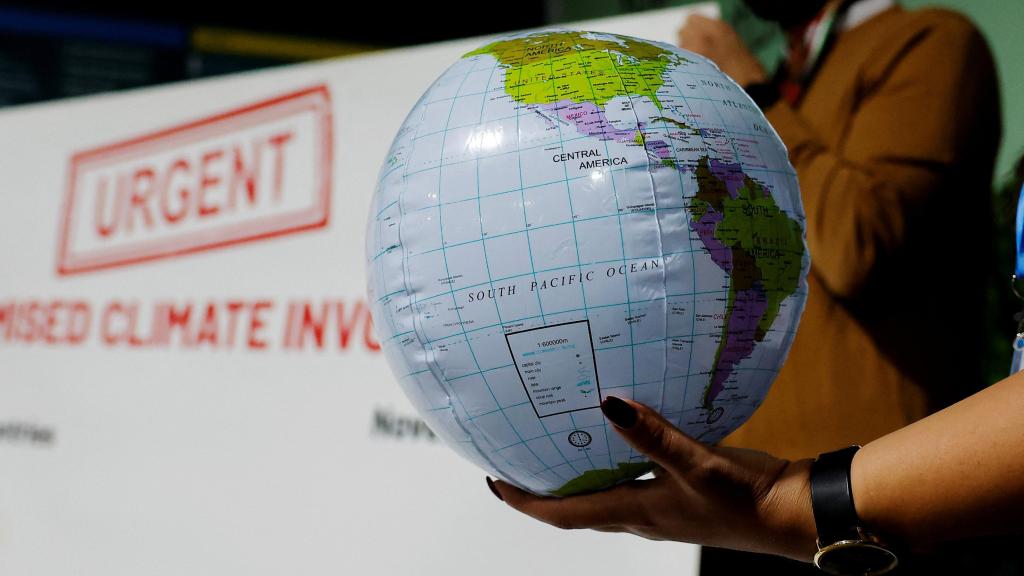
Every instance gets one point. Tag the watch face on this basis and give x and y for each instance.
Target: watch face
(855, 557)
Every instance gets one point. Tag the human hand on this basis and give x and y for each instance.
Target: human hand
(710, 495)
(718, 41)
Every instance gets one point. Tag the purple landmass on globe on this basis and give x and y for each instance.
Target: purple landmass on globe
(751, 307)
(589, 120)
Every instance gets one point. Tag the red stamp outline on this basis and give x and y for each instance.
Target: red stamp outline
(316, 99)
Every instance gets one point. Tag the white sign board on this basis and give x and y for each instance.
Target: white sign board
(189, 381)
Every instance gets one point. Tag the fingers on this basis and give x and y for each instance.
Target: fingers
(611, 510)
(696, 26)
(700, 21)
(707, 36)
(651, 434)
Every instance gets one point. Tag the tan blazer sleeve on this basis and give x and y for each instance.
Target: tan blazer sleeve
(912, 108)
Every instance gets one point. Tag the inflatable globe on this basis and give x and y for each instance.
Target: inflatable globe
(566, 216)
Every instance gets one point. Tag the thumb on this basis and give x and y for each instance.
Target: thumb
(648, 432)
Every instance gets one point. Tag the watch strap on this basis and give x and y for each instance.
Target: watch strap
(832, 497)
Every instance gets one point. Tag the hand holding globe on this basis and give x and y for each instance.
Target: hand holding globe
(717, 496)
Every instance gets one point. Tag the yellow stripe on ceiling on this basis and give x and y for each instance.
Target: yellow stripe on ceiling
(227, 41)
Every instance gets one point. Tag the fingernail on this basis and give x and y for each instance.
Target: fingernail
(621, 414)
(494, 489)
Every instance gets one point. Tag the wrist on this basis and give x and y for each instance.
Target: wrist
(845, 545)
(750, 73)
(863, 496)
(791, 519)
(745, 70)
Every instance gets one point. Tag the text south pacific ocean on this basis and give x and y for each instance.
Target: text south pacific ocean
(545, 282)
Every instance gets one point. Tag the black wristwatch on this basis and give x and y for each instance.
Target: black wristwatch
(845, 548)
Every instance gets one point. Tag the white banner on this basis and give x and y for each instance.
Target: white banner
(189, 382)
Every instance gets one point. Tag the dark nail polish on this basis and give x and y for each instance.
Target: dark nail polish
(621, 414)
(494, 489)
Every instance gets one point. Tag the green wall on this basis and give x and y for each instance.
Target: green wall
(1002, 22)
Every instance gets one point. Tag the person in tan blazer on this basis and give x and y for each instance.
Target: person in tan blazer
(891, 118)
(892, 122)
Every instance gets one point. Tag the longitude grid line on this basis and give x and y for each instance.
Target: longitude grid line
(731, 136)
(657, 220)
(406, 280)
(729, 133)
(622, 241)
(405, 271)
(693, 260)
(390, 314)
(522, 198)
(497, 309)
(575, 241)
(455, 303)
(380, 237)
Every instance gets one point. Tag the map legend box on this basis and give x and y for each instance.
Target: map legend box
(557, 367)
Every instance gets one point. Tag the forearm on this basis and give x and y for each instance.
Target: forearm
(856, 211)
(958, 473)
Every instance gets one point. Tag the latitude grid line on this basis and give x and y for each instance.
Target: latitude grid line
(594, 307)
(669, 377)
(714, 76)
(564, 268)
(532, 84)
(681, 414)
(569, 429)
(442, 164)
(570, 311)
(649, 383)
(586, 427)
(545, 226)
